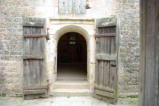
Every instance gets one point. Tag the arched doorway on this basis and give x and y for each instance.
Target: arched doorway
(72, 57)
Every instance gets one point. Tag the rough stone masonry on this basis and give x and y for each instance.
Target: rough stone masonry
(11, 38)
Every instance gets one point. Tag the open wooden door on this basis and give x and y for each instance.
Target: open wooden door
(106, 62)
(35, 77)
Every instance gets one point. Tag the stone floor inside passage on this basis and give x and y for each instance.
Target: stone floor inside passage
(65, 101)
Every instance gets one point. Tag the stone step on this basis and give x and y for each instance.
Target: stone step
(70, 92)
(71, 85)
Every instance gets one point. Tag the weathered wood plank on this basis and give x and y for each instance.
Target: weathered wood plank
(104, 93)
(36, 22)
(106, 22)
(97, 72)
(100, 72)
(105, 57)
(31, 70)
(34, 47)
(112, 46)
(34, 35)
(43, 75)
(35, 32)
(25, 74)
(35, 78)
(33, 58)
(113, 74)
(99, 46)
(108, 45)
(106, 68)
(149, 95)
(106, 35)
(102, 48)
(106, 73)
(150, 65)
(106, 89)
(157, 53)
(39, 91)
(143, 53)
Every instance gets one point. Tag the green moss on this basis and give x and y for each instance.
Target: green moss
(129, 96)
(133, 96)
(131, 102)
(68, 96)
(2, 95)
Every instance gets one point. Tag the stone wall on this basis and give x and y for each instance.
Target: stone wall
(11, 38)
(11, 44)
(129, 51)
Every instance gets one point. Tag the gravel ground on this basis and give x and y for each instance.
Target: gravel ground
(65, 101)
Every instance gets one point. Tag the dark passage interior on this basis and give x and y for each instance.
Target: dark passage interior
(72, 58)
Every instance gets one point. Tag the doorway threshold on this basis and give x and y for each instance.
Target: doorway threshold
(71, 88)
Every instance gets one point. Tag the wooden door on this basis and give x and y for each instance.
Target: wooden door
(35, 79)
(106, 63)
(149, 73)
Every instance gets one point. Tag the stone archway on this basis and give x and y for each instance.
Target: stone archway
(88, 35)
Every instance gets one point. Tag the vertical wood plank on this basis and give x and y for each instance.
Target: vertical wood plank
(26, 74)
(113, 76)
(157, 53)
(150, 65)
(149, 91)
(34, 47)
(102, 41)
(112, 45)
(100, 72)
(32, 78)
(106, 74)
(97, 73)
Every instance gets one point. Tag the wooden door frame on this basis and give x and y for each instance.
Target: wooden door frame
(149, 32)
